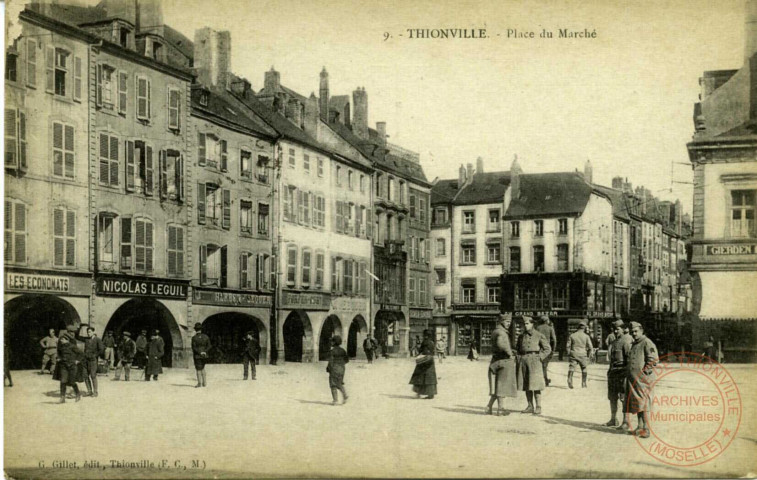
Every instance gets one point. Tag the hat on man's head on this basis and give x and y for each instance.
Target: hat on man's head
(251, 333)
(526, 317)
(127, 334)
(617, 323)
(198, 326)
(583, 323)
(144, 331)
(72, 328)
(156, 332)
(636, 324)
(544, 319)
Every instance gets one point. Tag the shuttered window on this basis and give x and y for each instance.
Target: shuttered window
(143, 98)
(143, 245)
(63, 150)
(307, 258)
(15, 232)
(246, 273)
(264, 271)
(175, 251)
(319, 265)
(201, 149)
(174, 108)
(291, 265)
(224, 147)
(123, 91)
(263, 219)
(126, 245)
(31, 62)
(108, 160)
(64, 237)
(171, 173)
(15, 139)
(77, 78)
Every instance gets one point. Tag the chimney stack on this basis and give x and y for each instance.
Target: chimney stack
(588, 172)
(312, 116)
(470, 171)
(360, 118)
(242, 87)
(272, 82)
(479, 165)
(324, 95)
(750, 30)
(212, 57)
(617, 183)
(515, 173)
(461, 177)
(381, 129)
(294, 112)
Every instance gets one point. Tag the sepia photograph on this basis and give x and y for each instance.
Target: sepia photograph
(351, 239)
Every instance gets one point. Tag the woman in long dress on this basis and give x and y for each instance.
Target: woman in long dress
(502, 378)
(424, 375)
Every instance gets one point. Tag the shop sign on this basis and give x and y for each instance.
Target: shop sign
(131, 287)
(424, 314)
(38, 282)
(475, 307)
(349, 304)
(733, 249)
(417, 323)
(308, 301)
(393, 308)
(563, 313)
(230, 299)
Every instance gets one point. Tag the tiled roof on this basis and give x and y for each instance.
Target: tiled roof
(179, 41)
(550, 194)
(222, 108)
(76, 15)
(618, 199)
(444, 191)
(487, 187)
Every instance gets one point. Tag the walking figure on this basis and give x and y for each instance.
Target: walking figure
(49, 345)
(126, 351)
(93, 349)
(250, 354)
(546, 329)
(580, 350)
(155, 352)
(618, 348)
(532, 348)
(200, 348)
(338, 360)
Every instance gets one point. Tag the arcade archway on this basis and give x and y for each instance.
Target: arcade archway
(388, 331)
(331, 326)
(147, 314)
(28, 319)
(298, 337)
(357, 333)
(227, 332)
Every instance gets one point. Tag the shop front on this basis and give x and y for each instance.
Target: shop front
(303, 313)
(474, 324)
(36, 301)
(351, 314)
(227, 316)
(129, 303)
(420, 320)
(391, 329)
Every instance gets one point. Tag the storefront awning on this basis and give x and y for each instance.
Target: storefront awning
(728, 296)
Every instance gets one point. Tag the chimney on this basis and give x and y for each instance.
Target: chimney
(294, 112)
(469, 174)
(461, 177)
(280, 103)
(588, 172)
(149, 15)
(272, 82)
(212, 57)
(312, 116)
(360, 120)
(515, 173)
(479, 165)
(324, 95)
(627, 187)
(241, 86)
(381, 129)
(750, 30)
(617, 183)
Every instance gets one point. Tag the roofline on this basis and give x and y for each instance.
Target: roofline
(225, 123)
(478, 202)
(505, 216)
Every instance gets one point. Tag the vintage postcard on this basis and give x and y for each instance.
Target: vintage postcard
(380, 239)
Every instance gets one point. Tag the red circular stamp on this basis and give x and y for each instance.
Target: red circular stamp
(692, 408)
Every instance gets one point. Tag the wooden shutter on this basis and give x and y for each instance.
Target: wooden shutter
(113, 161)
(201, 193)
(123, 86)
(130, 166)
(172, 250)
(126, 244)
(149, 171)
(179, 172)
(261, 271)
(19, 239)
(162, 174)
(99, 86)
(201, 149)
(141, 89)
(22, 140)
(149, 99)
(174, 108)
(70, 238)
(139, 245)
(31, 62)
(224, 156)
(50, 69)
(339, 216)
(224, 265)
(68, 153)
(226, 209)
(57, 148)
(11, 138)
(368, 223)
(8, 226)
(149, 245)
(242, 270)
(77, 78)
(104, 158)
(203, 264)
(59, 247)
(300, 207)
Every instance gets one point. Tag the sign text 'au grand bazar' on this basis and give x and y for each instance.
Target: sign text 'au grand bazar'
(131, 287)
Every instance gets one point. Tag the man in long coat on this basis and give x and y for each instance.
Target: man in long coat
(93, 350)
(250, 354)
(618, 347)
(126, 351)
(640, 377)
(532, 348)
(502, 379)
(545, 328)
(70, 357)
(200, 349)
(155, 351)
(423, 379)
(140, 358)
(580, 350)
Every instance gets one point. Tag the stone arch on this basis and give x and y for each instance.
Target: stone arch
(330, 327)
(357, 333)
(390, 331)
(297, 332)
(227, 332)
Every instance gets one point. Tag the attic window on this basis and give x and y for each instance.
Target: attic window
(204, 95)
(156, 50)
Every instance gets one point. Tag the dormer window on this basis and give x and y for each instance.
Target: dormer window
(156, 50)
(123, 37)
(204, 95)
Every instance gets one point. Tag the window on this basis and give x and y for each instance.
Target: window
(264, 271)
(493, 294)
(362, 182)
(441, 304)
(336, 267)
(263, 215)
(538, 228)
(174, 108)
(441, 276)
(156, 50)
(143, 245)
(562, 257)
(469, 254)
(422, 208)
(246, 270)
(559, 295)
(213, 265)
(348, 276)
(411, 290)
(263, 163)
(349, 179)
(175, 251)
(127, 255)
(514, 259)
(15, 232)
(108, 160)
(31, 62)
(493, 225)
(107, 87)
(306, 163)
(123, 36)
(440, 216)
(171, 173)
(319, 211)
(245, 216)
(362, 279)
(514, 229)
(11, 67)
(319, 265)
(320, 167)
(338, 175)
(402, 193)
(493, 253)
(441, 247)
(58, 70)
(390, 190)
(245, 163)
(562, 226)
(105, 229)
(140, 172)
(422, 250)
(306, 264)
(303, 206)
(468, 292)
(538, 258)
(291, 265)
(213, 205)
(144, 102)
(422, 292)
(469, 222)
(289, 212)
(15, 139)
(413, 199)
(292, 160)
(742, 213)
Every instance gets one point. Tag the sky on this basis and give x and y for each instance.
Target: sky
(623, 100)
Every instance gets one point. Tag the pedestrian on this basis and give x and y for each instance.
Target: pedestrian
(377, 346)
(440, 349)
(6, 364)
(618, 347)
(580, 350)
(110, 349)
(127, 349)
(140, 358)
(250, 354)
(532, 347)
(200, 349)
(93, 350)
(49, 346)
(545, 328)
(369, 347)
(338, 360)
(417, 348)
(472, 351)
(69, 361)
(640, 377)
(424, 375)
(710, 349)
(502, 378)
(155, 351)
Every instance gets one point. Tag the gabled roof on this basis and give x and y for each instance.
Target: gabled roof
(75, 15)
(221, 110)
(179, 41)
(444, 192)
(618, 199)
(550, 194)
(487, 187)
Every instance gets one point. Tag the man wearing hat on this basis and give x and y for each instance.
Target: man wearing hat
(200, 349)
(49, 345)
(545, 328)
(532, 348)
(250, 354)
(618, 347)
(93, 350)
(642, 358)
(69, 358)
(126, 351)
(579, 349)
(155, 352)
(140, 358)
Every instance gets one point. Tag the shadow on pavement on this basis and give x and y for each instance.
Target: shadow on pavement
(404, 397)
(181, 385)
(467, 410)
(315, 402)
(585, 425)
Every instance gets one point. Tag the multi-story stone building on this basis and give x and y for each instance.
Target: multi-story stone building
(443, 255)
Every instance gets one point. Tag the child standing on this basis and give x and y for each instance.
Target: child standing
(337, 360)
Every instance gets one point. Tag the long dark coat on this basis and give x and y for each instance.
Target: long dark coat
(424, 375)
(155, 351)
